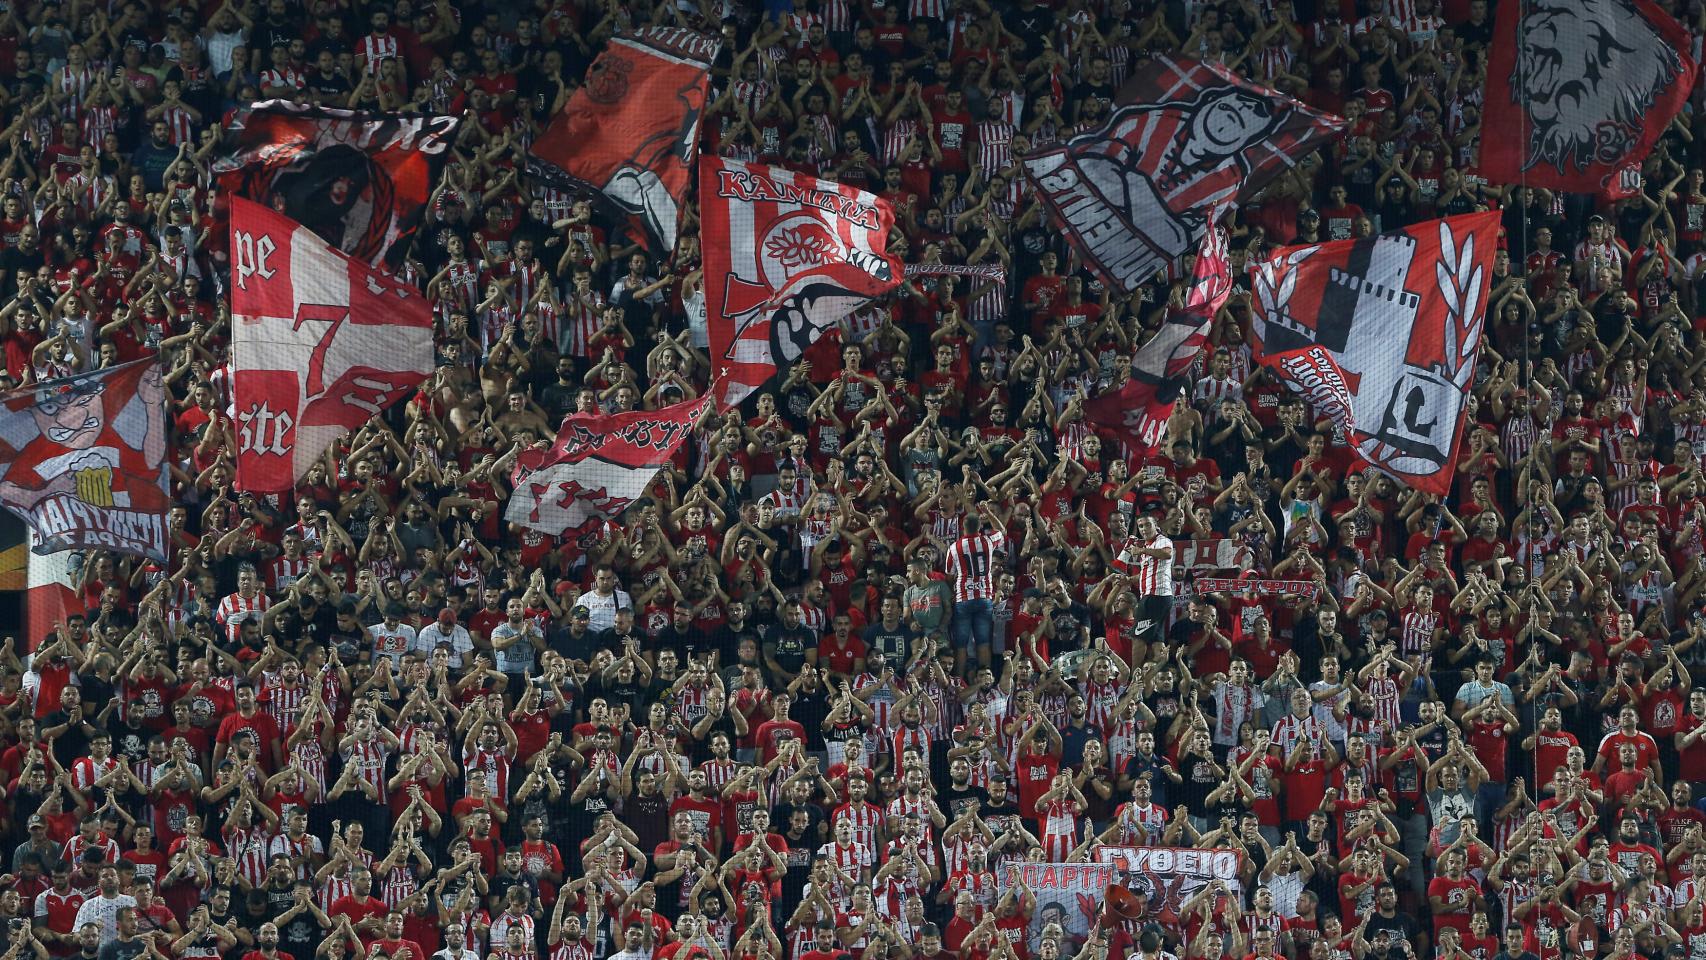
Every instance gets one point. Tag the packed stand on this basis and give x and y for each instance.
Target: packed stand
(904, 619)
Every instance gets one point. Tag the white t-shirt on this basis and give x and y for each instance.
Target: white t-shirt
(392, 642)
(602, 610)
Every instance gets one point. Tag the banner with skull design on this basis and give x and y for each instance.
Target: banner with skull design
(1398, 319)
(1579, 90)
(1136, 195)
(360, 181)
(83, 460)
(787, 256)
(598, 466)
(631, 132)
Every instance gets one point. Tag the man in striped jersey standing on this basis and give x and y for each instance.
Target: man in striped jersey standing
(1149, 557)
(972, 562)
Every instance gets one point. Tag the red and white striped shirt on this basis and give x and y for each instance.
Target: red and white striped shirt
(581, 321)
(1416, 631)
(1141, 824)
(1151, 576)
(368, 757)
(74, 84)
(180, 124)
(235, 610)
(284, 704)
(1289, 729)
(249, 847)
(373, 49)
(971, 560)
(896, 138)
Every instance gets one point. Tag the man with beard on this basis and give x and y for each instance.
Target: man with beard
(103, 908)
(266, 946)
(304, 925)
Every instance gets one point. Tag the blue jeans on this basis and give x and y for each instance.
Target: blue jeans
(973, 624)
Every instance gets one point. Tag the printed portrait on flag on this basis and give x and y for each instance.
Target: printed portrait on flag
(1069, 894)
(82, 460)
(359, 181)
(598, 466)
(1580, 90)
(1136, 195)
(786, 257)
(320, 343)
(1399, 317)
(631, 131)
(1170, 876)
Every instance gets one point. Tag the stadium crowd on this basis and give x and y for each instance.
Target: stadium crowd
(904, 618)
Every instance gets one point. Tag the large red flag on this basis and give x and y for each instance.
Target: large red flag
(1137, 411)
(631, 132)
(1399, 318)
(599, 464)
(320, 344)
(1135, 196)
(786, 257)
(1578, 89)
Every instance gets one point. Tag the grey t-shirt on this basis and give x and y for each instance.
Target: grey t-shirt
(519, 657)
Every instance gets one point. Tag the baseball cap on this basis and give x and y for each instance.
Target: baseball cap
(37, 821)
(580, 610)
(447, 616)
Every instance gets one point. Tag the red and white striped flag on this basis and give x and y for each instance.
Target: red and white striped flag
(786, 257)
(321, 343)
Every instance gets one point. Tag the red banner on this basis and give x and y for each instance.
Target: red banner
(631, 132)
(1401, 316)
(598, 465)
(320, 344)
(786, 257)
(360, 181)
(1314, 373)
(83, 460)
(1136, 412)
(1136, 195)
(1578, 89)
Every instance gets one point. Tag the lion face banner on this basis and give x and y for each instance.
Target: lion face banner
(83, 460)
(360, 181)
(1580, 89)
(1136, 195)
(786, 257)
(631, 132)
(1400, 318)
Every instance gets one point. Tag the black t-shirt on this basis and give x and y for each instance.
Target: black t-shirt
(955, 800)
(1033, 27)
(1400, 925)
(1087, 91)
(1001, 815)
(74, 742)
(1069, 623)
(791, 646)
(893, 644)
(120, 949)
(687, 642)
(301, 936)
(815, 835)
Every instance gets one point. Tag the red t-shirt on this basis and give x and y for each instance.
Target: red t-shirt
(1459, 898)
